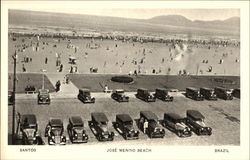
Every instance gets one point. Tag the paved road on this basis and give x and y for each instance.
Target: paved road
(222, 116)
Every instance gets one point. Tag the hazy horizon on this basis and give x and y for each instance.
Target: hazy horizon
(191, 14)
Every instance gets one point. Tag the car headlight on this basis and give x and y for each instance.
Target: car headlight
(75, 134)
(102, 133)
(61, 136)
(83, 134)
(53, 137)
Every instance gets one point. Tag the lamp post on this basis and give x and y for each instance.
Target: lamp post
(14, 99)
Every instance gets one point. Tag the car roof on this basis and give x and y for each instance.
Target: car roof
(222, 88)
(162, 89)
(173, 116)
(56, 122)
(149, 115)
(193, 88)
(99, 117)
(124, 117)
(206, 88)
(43, 91)
(84, 89)
(76, 120)
(195, 114)
(119, 90)
(142, 89)
(31, 118)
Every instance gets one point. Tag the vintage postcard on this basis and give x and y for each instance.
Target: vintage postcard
(124, 80)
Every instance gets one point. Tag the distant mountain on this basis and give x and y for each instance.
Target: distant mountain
(233, 23)
(161, 24)
(170, 20)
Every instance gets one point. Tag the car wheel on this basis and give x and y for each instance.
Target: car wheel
(179, 134)
(125, 136)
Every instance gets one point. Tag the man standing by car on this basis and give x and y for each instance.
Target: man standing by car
(58, 84)
(145, 126)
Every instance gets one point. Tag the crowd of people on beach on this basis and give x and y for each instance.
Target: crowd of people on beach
(138, 62)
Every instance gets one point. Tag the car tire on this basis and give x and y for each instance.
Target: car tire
(179, 134)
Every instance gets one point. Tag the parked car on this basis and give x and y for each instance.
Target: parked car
(124, 125)
(99, 127)
(194, 93)
(29, 130)
(236, 92)
(195, 120)
(76, 131)
(54, 131)
(85, 96)
(162, 93)
(145, 95)
(150, 120)
(119, 96)
(176, 124)
(43, 96)
(223, 93)
(10, 98)
(208, 93)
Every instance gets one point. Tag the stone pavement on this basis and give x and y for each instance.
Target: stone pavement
(69, 88)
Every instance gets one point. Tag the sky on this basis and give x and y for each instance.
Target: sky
(142, 13)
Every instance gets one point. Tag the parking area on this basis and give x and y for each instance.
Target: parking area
(222, 116)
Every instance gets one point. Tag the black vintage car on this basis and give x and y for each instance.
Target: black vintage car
(10, 98)
(194, 93)
(208, 93)
(54, 131)
(29, 130)
(163, 94)
(99, 127)
(76, 131)
(223, 93)
(145, 95)
(176, 124)
(149, 124)
(236, 92)
(124, 125)
(43, 96)
(195, 120)
(119, 96)
(84, 95)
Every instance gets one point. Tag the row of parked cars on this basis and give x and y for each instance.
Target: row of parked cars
(119, 95)
(148, 123)
(163, 94)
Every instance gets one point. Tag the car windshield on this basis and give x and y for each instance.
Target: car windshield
(104, 128)
(120, 92)
(31, 126)
(78, 130)
(56, 130)
(201, 123)
(78, 126)
(128, 123)
(86, 93)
